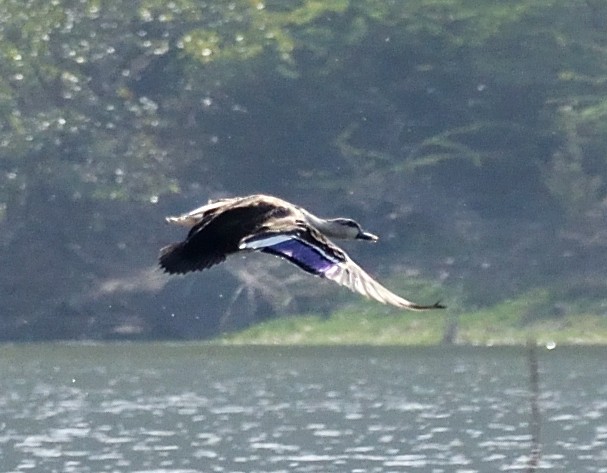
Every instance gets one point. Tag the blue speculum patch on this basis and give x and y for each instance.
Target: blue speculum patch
(307, 257)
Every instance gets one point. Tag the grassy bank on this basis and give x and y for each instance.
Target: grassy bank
(508, 323)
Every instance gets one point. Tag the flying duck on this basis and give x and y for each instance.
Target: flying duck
(275, 226)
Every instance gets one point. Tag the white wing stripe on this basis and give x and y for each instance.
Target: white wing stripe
(265, 242)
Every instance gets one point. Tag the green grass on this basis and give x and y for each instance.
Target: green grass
(510, 322)
(343, 328)
(516, 320)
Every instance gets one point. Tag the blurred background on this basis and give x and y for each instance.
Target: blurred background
(471, 136)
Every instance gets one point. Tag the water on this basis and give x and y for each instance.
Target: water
(190, 408)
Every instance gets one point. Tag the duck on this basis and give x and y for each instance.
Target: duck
(274, 226)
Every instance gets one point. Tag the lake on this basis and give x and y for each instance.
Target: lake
(158, 407)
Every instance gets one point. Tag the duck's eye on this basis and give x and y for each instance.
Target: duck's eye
(346, 222)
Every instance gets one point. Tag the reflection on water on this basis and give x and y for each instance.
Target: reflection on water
(186, 408)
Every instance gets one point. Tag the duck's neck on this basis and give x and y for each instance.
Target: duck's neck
(327, 227)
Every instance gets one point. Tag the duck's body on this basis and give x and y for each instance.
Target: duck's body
(275, 226)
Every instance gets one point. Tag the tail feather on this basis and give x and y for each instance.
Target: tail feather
(173, 260)
(178, 258)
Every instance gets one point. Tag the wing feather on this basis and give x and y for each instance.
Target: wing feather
(352, 276)
(315, 254)
(193, 217)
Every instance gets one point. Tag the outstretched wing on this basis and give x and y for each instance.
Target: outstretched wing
(317, 255)
(293, 248)
(352, 276)
(194, 217)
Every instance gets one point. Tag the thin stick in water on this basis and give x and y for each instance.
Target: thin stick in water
(534, 395)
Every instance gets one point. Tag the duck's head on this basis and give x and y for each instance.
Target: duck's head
(350, 229)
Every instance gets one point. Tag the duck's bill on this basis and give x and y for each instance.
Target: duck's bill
(367, 236)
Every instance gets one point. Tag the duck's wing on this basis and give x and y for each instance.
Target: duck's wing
(291, 246)
(315, 254)
(352, 276)
(194, 217)
(217, 234)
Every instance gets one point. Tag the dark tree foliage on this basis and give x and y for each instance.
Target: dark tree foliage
(471, 135)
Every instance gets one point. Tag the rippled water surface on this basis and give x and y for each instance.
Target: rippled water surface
(188, 408)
